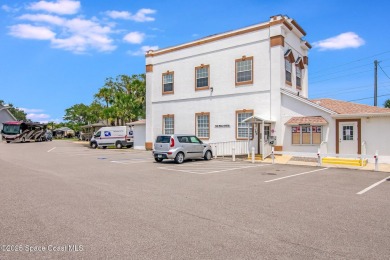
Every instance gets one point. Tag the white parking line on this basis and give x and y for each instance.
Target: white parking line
(51, 149)
(372, 186)
(289, 176)
(204, 170)
(127, 162)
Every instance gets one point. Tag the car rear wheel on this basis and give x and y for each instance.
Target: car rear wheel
(118, 145)
(179, 158)
(158, 159)
(207, 156)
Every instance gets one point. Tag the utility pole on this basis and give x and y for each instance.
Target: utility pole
(375, 82)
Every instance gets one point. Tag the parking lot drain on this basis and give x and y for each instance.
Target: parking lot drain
(102, 158)
(269, 173)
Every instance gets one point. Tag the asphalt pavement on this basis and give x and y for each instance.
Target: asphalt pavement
(61, 200)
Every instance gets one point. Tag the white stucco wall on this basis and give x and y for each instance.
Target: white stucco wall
(139, 136)
(375, 131)
(293, 108)
(263, 96)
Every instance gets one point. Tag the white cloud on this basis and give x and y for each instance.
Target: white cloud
(134, 37)
(37, 117)
(76, 34)
(27, 31)
(140, 16)
(341, 41)
(6, 8)
(84, 34)
(119, 15)
(142, 51)
(58, 7)
(52, 19)
(31, 110)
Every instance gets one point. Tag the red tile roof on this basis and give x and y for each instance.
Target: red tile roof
(307, 120)
(343, 107)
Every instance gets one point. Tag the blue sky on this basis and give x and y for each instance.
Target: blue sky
(55, 54)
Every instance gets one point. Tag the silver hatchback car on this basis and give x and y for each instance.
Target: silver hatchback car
(180, 147)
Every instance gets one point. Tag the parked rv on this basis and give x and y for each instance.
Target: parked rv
(119, 136)
(19, 131)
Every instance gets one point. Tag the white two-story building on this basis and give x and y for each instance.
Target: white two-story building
(245, 86)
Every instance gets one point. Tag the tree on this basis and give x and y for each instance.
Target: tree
(16, 112)
(77, 114)
(123, 97)
(387, 103)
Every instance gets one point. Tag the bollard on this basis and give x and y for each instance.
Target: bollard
(215, 154)
(319, 161)
(376, 161)
(234, 154)
(253, 155)
(272, 155)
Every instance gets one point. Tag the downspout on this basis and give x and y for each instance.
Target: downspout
(270, 71)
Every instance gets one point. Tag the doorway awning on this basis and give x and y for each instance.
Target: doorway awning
(307, 120)
(256, 120)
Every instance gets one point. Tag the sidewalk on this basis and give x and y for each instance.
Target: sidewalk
(286, 159)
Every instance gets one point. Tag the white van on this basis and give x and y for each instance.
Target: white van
(119, 136)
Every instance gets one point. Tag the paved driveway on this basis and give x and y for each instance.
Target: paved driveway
(120, 204)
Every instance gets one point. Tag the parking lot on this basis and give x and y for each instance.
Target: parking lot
(121, 204)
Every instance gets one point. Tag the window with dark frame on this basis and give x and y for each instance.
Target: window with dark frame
(202, 77)
(203, 125)
(168, 80)
(244, 70)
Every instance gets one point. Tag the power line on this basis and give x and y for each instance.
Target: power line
(383, 70)
(348, 90)
(339, 76)
(343, 75)
(368, 98)
(378, 54)
(325, 74)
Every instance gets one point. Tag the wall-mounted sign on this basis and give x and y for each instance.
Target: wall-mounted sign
(222, 126)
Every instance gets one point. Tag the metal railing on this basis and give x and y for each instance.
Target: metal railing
(226, 148)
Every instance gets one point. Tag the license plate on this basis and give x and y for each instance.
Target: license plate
(159, 156)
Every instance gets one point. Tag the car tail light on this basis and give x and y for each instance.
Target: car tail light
(172, 143)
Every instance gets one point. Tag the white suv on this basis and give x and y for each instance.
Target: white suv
(180, 147)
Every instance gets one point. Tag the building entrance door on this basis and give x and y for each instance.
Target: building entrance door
(348, 138)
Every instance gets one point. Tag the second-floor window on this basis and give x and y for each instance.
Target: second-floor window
(244, 71)
(299, 77)
(288, 70)
(202, 77)
(168, 82)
